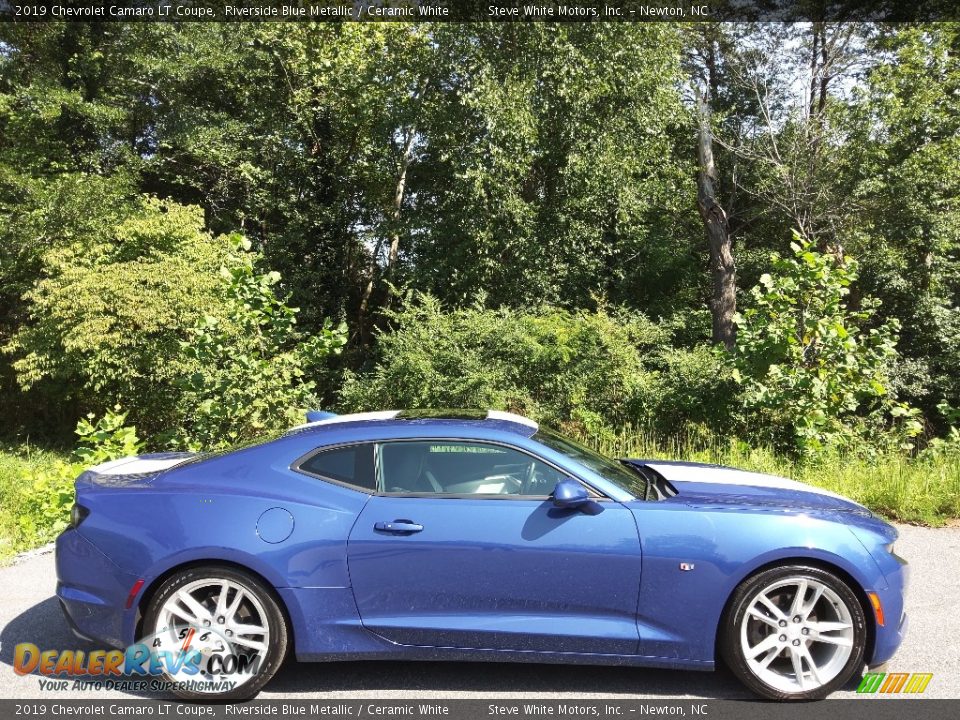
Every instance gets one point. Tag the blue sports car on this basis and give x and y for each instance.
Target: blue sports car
(472, 535)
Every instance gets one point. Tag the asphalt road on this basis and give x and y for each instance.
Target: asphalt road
(29, 613)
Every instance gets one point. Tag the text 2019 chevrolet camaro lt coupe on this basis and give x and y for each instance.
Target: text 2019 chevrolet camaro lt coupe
(469, 535)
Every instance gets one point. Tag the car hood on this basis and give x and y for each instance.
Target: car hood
(698, 483)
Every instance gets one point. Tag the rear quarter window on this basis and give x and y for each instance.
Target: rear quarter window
(351, 465)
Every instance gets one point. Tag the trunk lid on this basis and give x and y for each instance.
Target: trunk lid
(134, 471)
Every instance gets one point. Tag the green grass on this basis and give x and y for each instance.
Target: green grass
(19, 464)
(924, 491)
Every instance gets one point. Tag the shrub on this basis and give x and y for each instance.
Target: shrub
(815, 374)
(580, 369)
(47, 494)
(116, 300)
(947, 447)
(696, 392)
(252, 364)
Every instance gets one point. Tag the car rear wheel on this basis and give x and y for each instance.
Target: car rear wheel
(794, 633)
(223, 627)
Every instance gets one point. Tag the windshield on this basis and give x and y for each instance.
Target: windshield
(612, 470)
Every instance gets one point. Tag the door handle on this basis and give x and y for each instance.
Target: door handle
(398, 527)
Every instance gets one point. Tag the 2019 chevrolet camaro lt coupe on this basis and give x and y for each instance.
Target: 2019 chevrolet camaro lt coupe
(472, 535)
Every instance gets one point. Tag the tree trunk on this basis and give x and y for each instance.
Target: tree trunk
(723, 303)
(367, 294)
(394, 251)
(398, 197)
(406, 158)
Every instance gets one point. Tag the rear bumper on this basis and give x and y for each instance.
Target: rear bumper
(93, 592)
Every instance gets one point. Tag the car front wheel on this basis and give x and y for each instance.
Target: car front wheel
(794, 633)
(219, 633)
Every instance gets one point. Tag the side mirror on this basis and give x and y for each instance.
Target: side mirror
(570, 494)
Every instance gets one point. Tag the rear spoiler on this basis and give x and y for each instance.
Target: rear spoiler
(133, 471)
(315, 415)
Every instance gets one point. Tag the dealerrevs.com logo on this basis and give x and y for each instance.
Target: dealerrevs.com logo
(890, 683)
(201, 661)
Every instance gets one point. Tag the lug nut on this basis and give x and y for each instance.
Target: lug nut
(783, 638)
(221, 620)
(229, 633)
(796, 618)
(796, 643)
(206, 623)
(806, 631)
(783, 623)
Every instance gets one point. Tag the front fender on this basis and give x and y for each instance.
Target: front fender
(871, 580)
(696, 558)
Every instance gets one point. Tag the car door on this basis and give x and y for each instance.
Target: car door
(464, 548)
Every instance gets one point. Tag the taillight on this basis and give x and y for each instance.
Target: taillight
(133, 594)
(78, 514)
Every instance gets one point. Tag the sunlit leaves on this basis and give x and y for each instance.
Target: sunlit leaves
(813, 366)
(117, 292)
(254, 369)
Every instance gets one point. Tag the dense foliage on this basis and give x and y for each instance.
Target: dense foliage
(582, 371)
(220, 225)
(252, 366)
(37, 495)
(809, 363)
(111, 305)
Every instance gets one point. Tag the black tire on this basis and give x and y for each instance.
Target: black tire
(277, 645)
(731, 650)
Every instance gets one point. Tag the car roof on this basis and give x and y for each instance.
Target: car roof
(446, 418)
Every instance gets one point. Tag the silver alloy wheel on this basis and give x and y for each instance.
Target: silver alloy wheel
(215, 616)
(797, 634)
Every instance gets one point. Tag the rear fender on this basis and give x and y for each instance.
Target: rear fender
(212, 555)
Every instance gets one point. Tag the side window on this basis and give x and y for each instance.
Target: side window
(352, 465)
(453, 467)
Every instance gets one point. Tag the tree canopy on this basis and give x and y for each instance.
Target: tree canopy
(536, 175)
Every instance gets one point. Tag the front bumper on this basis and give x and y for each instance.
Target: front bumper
(888, 638)
(888, 641)
(93, 592)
